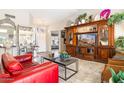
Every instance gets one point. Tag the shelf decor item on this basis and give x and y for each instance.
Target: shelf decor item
(105, 14)
(116, 18)
(51, 55)
(116, 78)
(97, 17)
(90, 18)
(82, 18)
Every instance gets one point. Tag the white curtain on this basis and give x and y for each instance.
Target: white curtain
(39, 38)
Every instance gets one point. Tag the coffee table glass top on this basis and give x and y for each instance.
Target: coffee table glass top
(67, 61)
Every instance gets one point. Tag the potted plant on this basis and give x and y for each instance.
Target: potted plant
(116, 18)
(82, 18)
(64, 55)
(119, 43)
(116, 78)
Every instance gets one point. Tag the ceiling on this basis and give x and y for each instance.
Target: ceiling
(57, 15)
(48, 16)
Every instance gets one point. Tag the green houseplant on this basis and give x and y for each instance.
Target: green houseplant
(116, 18)
(82, 18)
(117, 78)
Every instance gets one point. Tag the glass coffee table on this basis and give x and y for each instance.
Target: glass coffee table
(63, 63)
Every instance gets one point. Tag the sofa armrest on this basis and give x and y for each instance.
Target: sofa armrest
(116, 62)
(106, 74)
(3, 72)
(24, 58)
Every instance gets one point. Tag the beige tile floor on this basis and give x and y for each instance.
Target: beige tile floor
(89, 72)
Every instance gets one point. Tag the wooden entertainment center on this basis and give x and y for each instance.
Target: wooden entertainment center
(91, 41)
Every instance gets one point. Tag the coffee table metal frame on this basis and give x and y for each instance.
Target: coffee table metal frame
(65, 68)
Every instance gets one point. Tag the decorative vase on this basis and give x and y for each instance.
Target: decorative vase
(83, 21)
(72, 24)
(97, 17)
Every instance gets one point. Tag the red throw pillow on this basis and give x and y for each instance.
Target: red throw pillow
(14, 66)
(11, 64)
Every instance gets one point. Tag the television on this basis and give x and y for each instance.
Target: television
(87, 39)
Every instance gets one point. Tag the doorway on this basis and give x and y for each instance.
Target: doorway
(55, 41)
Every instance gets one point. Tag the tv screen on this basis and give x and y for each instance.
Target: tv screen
(86, 39)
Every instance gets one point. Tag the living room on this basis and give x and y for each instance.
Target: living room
(61, 45)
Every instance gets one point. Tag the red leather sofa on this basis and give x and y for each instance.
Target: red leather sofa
(21, 69)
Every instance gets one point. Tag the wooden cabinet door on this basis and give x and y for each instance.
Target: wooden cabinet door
(71, 50)
(70, 36)
(103, 53)
(103, 35)
(83, 51)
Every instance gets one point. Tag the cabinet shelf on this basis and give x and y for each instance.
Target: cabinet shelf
(86, 32)
(87, 24)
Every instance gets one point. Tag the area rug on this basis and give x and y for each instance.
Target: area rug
(89, 72)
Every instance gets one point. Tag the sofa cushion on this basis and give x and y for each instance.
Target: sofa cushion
(11, 64)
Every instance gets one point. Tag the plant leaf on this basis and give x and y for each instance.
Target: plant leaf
(115, 78)
(112, 71)
(121, 81)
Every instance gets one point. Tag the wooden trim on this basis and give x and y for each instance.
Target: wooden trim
(87, 24)
(86, 32)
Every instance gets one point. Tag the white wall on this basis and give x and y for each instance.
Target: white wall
(22, 17)
(119, 30)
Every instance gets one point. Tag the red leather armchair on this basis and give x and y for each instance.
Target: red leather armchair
(21, 69)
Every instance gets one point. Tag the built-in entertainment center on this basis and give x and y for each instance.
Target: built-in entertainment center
(90, 41)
